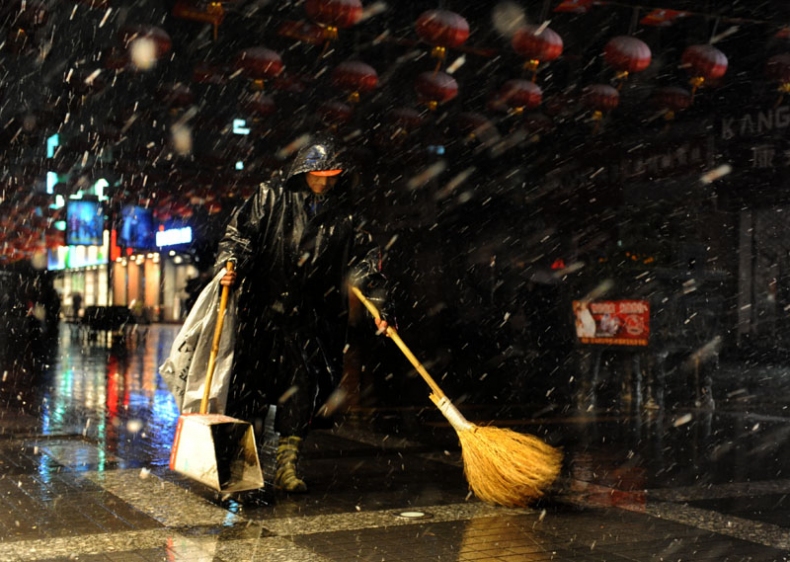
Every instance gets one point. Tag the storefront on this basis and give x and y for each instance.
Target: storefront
(151, 283)
(83, 277)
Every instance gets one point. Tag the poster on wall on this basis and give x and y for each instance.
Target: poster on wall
(84, 223)
(137, 228)
(616, 322)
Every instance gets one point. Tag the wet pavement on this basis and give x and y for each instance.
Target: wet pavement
(86, 428)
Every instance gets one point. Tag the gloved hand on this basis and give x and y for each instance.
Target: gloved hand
(376, 291)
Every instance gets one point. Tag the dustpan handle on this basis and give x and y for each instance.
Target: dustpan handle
(393, 335)
(212, 358)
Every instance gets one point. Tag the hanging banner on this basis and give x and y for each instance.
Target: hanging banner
(619, 323)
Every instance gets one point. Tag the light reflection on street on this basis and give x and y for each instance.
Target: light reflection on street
(111, 393)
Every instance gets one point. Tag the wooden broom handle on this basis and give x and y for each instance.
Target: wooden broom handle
(393, 335)
(212, 358)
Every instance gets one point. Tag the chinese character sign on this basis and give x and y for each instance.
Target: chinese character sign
(622, 322)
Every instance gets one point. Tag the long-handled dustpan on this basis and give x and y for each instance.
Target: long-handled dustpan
(213, 449)
(501, 466)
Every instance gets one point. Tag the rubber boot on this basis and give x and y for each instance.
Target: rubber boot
(286, 478)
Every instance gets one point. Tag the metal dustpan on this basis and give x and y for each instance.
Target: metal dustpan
(214, 449)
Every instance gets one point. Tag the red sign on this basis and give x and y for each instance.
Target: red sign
(622, 322)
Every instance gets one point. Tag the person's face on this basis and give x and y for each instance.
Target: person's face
(320, 184)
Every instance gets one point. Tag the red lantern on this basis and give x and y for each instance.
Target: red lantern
(703, 62)
(627, 54)
(213, 207)
(259, 63)
(537, 124)
(158, 35)
(304, 31)
(443, 29)
(334, 14)
(260, 105)
(54, 238)
(335, 113)
(536, 44)
(476, 126)
(208, 73)
(405, 118)
(183, 210)
(176, 96)
(601, 98)
(355, 77)
(517, 95)
(31, 16)
(435, 88)
(672, 99)
(115, 59)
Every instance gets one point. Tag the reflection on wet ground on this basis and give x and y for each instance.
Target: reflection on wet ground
(108, 392)
(85, 444)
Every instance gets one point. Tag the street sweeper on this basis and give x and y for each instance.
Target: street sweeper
(296, 245)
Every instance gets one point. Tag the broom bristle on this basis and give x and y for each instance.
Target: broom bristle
(507, 468)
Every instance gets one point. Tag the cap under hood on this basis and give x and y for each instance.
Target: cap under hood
(323, 152)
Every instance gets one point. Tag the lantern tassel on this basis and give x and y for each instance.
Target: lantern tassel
(783, 89)
(696, 83)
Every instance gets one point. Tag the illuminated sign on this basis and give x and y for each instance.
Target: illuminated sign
(72, 257)
(174, 236)
(240, 127)
(52, 143)
(52, 180)
(619, 323)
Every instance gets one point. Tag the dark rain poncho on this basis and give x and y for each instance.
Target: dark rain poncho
(294, 265)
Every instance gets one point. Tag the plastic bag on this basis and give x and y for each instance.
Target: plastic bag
(184, 371)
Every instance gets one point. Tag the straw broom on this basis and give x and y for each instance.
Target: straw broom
(501, 466)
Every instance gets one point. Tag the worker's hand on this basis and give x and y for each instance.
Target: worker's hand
(229, 279)
(382, 326)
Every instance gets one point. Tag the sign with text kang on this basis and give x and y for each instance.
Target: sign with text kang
(615, 322)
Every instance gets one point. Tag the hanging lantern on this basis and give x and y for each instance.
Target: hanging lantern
(213, 207)
(260, 105)
(778, 70)
(176, 96)
(602, 99)
(146, 44)
(537, 44)
(442, 29)
(435, 88)
(334, 14)
(208, 73)
(405, 119)
(84, 83)
(335, 113)
(703, 62)
(356, 78)
(115, 58)
(627, 55)
(54, 238)
(183, 210)
(259, 64)
(474, 126)
(671, 99)
(517, 95)
(303, 31)
(537, 124)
